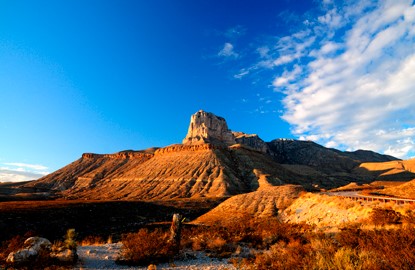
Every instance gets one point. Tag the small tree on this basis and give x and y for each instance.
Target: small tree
(70, 242)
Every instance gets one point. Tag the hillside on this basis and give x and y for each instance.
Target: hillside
(334, 168)
(397, 170)
(264, 203)
(179, 171)
(405, 190)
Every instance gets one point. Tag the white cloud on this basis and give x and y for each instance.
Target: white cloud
(25, 165)
(287, 77)
(358, 89)
(242, 73)
(17, 176)
(228, 51)
(17, 172)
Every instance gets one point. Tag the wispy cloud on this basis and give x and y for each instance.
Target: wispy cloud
(34, 167)
(349, 76)
(235, 32)
(17, 172)
(363, 96)
(228, 51)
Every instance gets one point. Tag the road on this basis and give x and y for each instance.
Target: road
(354, 195)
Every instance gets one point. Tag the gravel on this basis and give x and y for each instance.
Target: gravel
(103, 257)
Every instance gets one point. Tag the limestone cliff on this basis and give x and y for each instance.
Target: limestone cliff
(206, 127)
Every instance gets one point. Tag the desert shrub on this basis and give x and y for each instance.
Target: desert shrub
(293, 255)
(381, 248)
(225, 240)
(70, 242)
(217, 241)
(349, 236)
(276, 232)
(10, 245)
(395, 247)
(409, 217)
(276, 245)
(381, 216)
(145, 247)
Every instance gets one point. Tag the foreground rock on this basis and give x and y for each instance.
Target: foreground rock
(36, 248)
(33, 247)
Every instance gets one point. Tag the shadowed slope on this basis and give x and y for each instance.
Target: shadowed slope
(327, 167)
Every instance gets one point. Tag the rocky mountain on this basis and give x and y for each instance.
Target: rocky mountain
(213, 161)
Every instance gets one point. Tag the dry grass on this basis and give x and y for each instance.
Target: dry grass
(271, 244)
(93, 241)
(11, 245)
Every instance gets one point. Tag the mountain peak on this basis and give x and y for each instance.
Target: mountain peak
(205, 127)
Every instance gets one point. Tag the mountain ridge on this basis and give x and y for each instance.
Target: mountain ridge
(213, 161)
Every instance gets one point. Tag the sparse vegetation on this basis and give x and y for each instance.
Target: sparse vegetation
(386, 240)
(70, 242)
(381, 216)
(270, 244)
(145, 247)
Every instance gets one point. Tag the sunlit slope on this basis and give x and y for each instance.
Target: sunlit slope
(177, 171)
(398, 170)
(266, 202)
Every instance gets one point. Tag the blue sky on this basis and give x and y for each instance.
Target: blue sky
(105, 76)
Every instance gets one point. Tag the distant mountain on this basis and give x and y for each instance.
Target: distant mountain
(212, 161)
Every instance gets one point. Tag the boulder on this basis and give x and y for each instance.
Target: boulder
(33, 246)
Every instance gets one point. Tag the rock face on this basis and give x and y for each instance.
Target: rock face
(206, 127)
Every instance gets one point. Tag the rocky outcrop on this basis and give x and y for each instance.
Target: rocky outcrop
(251, 140)
(206, 127)
(181, 148)
(120, 155)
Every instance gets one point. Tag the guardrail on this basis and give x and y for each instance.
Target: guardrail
(377, 198)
